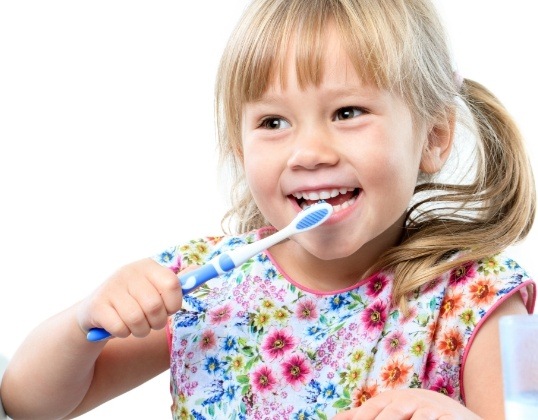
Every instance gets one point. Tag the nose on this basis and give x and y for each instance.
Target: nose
(312, 149)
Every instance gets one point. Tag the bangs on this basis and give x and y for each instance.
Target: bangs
(296, 28)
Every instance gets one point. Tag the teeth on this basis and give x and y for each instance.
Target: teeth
(321, 194)
(336, 208)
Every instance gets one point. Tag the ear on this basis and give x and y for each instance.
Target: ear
(438, 145)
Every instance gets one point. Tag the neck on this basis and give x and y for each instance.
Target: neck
(334, 274)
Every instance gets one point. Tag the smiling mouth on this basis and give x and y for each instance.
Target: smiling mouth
(339, 198)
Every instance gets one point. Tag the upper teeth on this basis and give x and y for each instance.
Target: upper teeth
(321, 194)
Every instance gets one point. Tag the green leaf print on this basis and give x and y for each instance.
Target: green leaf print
(342, 403)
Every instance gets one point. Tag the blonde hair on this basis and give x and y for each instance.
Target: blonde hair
(400, 46)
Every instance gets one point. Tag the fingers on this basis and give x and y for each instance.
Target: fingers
(135, 300)
(408, 404)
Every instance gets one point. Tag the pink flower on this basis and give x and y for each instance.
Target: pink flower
(374, 317)
(208, 340)
(262, 379)
(443, 386)
(429, 366)
(463, 273)
(277, 343)
(394, 342)
(307, 310)
(220, 314)
(296, 370)
(376, 285)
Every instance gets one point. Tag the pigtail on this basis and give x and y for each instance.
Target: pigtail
(492, 211)
(508, 183)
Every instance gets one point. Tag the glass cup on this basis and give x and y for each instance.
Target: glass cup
(519, 352)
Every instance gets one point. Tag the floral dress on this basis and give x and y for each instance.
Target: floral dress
(254, 344)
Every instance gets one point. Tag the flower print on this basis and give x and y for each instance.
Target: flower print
(278, 343)
(443, 385)
(376, 285)
(166, 256)
(261, 319)
(212, 365)
(450, 343)
(430, 365)
(467, 317)
(482, 291)
(463, 273)
(229, 343)
(395, 373)
(351, 377)
(307, 310)
(394, 342)
(281, 315)
(237, 363)
(267, 304)
(357, 356)
(374, 317)
(229, 391)
(452, 303)
(418, 348)
(220, 314)
(360, 395)
(208, 340)
(296, 370)
(262, 379)
(202, 248)
(338, 301)
(270, 273)
(194, 258)
(368, 363)
(329, 392)
(490, 265)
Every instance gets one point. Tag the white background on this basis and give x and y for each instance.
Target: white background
(107, 150)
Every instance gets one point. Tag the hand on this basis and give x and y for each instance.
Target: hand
(404, 404)
(135, 300)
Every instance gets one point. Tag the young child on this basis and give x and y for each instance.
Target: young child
(388, 309)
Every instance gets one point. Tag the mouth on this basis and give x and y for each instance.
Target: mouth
(339, 198)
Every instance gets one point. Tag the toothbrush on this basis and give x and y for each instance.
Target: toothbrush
(307, 219)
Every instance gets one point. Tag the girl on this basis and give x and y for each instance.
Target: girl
(388, 309)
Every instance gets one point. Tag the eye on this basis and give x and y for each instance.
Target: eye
(274, 123)
(347, 113)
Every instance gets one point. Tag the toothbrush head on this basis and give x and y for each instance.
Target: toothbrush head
(313, 216)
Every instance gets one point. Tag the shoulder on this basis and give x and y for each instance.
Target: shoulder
(483, 284)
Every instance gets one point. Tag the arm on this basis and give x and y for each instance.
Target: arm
(57, 373)
(482, 375)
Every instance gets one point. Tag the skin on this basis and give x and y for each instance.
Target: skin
(339, 134)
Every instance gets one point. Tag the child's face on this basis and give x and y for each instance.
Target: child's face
(343, 139)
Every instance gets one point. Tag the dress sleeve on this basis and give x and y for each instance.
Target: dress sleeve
(473, 292)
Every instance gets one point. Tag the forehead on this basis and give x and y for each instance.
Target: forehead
(306, 65)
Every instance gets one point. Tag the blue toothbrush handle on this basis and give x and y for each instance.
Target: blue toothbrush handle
(189, 281)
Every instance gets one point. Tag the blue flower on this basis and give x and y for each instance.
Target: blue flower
(303, 414)
(330, 392)
(166, 256)
(338, 301)
(270, 273)
(212, 365)
(230, 343)
(230, 391)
